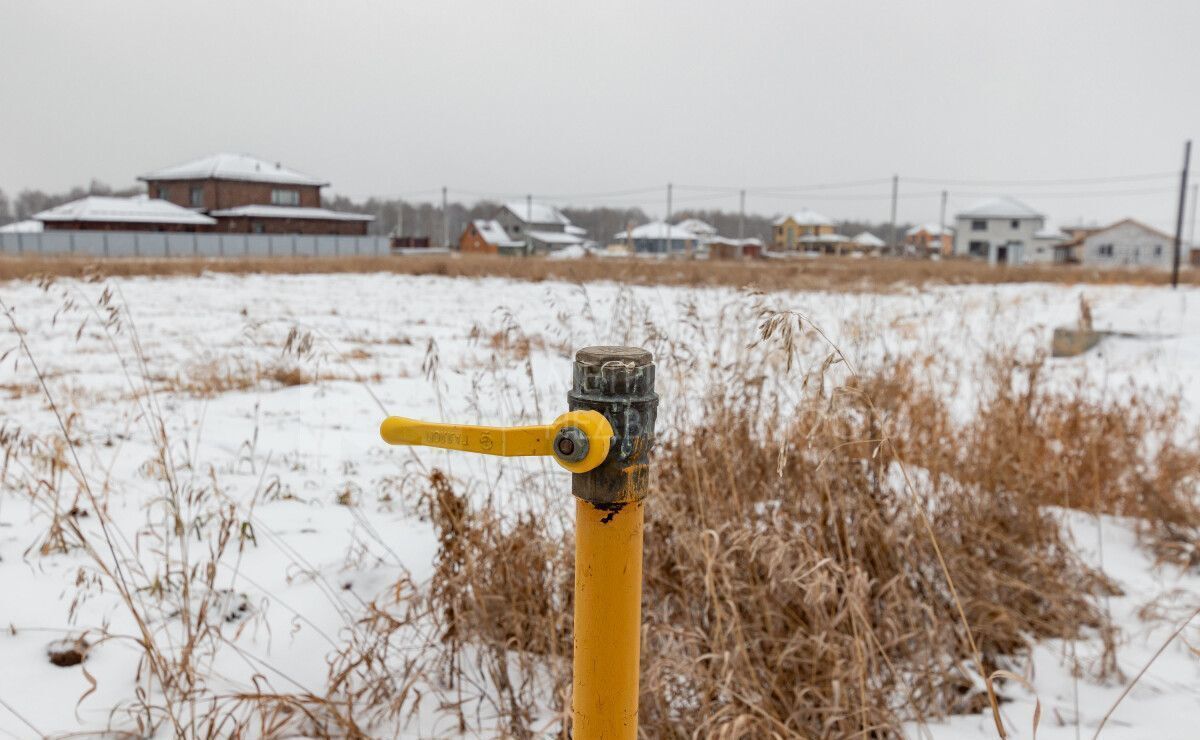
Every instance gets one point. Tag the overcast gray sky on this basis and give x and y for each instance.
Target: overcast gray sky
(561, 98)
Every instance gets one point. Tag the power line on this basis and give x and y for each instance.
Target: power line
(1075, 194)
(825, 185)
(847, 196)
(775, 188)
(605, 195)
(1040, 183)
(488, 196)
(699, 198)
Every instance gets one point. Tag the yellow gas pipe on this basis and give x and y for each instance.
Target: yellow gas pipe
(605, 441)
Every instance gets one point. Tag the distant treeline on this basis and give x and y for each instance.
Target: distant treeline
(425, 219)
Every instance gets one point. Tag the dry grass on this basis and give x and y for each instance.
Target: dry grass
(861, 562)
(792, 585)
(818, 274)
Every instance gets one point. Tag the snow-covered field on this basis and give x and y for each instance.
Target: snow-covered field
(221, 354)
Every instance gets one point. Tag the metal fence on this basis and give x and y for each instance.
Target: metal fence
(157, 244)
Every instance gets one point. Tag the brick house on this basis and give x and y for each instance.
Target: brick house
(927, 239)
(249, 195)
(487, 236)
(728, 248)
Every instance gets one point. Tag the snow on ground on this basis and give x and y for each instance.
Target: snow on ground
(1165, 703)
(290, 456)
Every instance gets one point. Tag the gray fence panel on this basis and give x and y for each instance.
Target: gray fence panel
(54, 242)
(184, 244)
(210, 245)
(89, 243)
(256, 245)
(153, 245)
(124, 243)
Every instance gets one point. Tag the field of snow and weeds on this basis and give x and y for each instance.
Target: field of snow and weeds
(201, 533)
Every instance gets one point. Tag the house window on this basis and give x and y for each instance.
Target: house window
(1158, 250)
(256, 227)
(197, 195)
(280, 197)
(162, 192)
(979, 225)
(977, 249)
(1105, 250)
(1015, 224)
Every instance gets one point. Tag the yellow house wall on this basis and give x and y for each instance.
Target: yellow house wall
(788, 233)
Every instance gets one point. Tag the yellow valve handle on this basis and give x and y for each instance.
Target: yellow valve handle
(577, 440)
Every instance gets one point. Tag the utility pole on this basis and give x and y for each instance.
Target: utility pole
(445, 221)
(892, 227)
(667, 220)
(528, 221)
(1183, 178)
(1192, 229)
(742, 214)
(942, 225)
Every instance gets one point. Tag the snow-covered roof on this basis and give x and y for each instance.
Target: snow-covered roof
(1133, 222)
(1001, 207)
(931, 229)
(22, 227)
(867, 239)
(805, 217)
(234, 167)
(138, 209)
(697, 227)
(823, 239)
(310, 214)
(535, 213)
(577, 230)
(656, 230)
(1050, 232)
(556, 237)
(493, 233)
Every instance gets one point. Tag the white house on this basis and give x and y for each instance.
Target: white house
(1130, 243)
(543, 227)
(659, 237)
(867, 242)
(702, 229)
(1045, 246)
(1001, 230)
